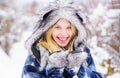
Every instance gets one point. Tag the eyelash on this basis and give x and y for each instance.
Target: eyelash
(68, 27)
(59, 27)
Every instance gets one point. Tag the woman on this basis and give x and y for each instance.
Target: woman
(58, 47)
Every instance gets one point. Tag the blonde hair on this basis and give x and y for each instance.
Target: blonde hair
(48, 42)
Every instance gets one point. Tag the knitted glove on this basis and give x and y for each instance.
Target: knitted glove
(57, 59)
(76, 59)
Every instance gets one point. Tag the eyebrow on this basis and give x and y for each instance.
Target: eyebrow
(56, 24)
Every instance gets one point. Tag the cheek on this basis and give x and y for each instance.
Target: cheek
(54, 35)
(70, 33)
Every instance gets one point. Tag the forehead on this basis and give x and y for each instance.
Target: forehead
(63, 21)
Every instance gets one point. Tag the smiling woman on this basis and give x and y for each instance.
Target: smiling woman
(62, 32)
(58, 47)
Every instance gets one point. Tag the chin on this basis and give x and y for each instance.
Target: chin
(63, 45)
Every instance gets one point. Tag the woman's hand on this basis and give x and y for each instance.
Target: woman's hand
(56, 64)
(58, 59)
(76, 59)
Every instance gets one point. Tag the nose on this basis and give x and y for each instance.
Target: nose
(64, 33)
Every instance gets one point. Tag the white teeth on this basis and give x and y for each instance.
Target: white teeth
(62, 38)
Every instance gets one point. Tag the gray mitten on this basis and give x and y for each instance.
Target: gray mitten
(76, 59)
(57, 59)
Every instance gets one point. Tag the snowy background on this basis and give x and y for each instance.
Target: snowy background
(18, 18)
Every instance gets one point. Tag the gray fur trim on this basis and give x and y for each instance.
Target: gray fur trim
(44, 54)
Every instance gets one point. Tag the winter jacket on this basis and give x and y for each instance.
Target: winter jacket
(32, 70)
(37, 63)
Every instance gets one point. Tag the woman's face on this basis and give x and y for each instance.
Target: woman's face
(62, 32)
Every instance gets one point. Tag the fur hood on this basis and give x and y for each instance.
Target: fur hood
(51, 17)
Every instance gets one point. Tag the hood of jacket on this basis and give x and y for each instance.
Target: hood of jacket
(50, 18)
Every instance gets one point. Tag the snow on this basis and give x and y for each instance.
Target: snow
(11, 67)
(18, 52)
(99, 55)
(116, 75)
(113, 13)
(2, 13)
(8, 67)
(101, 10)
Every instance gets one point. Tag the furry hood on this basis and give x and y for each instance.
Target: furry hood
(51, 17)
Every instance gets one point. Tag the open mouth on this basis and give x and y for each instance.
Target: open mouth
(63, 40)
